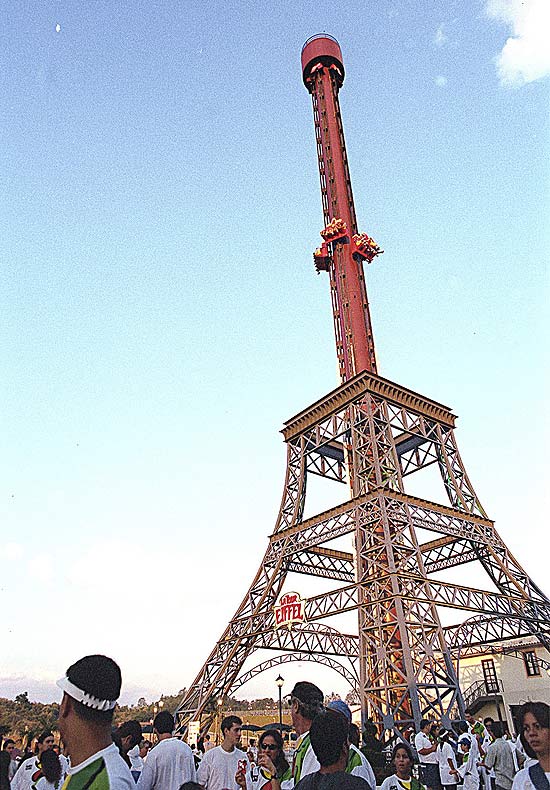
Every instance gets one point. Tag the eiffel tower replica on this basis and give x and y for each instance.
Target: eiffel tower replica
(410, 626)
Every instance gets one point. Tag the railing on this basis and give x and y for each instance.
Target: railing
(481, 688)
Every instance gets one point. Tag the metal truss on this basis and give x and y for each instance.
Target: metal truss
(401, 658)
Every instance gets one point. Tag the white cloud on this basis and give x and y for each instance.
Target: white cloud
(440, 81)
(525, 56)
(11, 551)
(440, 38)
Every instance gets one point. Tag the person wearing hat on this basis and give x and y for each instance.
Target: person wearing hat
(306, 702)
(91, 689)
(446, 759)
(357, 763)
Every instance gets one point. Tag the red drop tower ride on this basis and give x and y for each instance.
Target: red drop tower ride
(344, 249)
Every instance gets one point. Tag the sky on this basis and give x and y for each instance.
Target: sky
(160, 314)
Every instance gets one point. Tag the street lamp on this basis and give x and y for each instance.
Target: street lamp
(155, 711)
(220, 703)
(279, 681)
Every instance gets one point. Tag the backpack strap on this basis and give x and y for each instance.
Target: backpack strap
(538, 777)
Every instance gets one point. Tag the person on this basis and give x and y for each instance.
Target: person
(498, 757)
(127, 737)
(306, 701)
(446, 760)
(403, 761)
(91, 688)
(252, 751)
(51, 773)
(427, 754)
(4, 770)
(9, 747)
(329, 735)
(272, 771)
(220, 765)
(534, 729)
(171, 762)
(467, 770)
(478, 729)
(144, 747)
(31, 765)
(357, 764)
(191, 786)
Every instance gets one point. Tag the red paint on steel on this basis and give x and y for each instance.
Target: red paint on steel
(323, 74)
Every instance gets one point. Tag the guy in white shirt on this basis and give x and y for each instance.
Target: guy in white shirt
(170, 763)
(219, 765)
(427, 754)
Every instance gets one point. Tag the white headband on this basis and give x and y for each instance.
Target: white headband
(82, 696)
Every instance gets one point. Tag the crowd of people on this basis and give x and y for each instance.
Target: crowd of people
(476, 755)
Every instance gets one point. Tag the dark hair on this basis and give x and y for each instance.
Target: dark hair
(190, 786)
(460, 726)
(133, 728)
(7, 743)
(541, 712)
(497, 728)
(488, 718)
(100, 677)
(4, 770)
(329, 734)
(50, 765)
(164, 723)
(308, 710)
(228, 722)
(424, 723)
(280, 763)
(354, 734)
(43, 735)
(406, 747)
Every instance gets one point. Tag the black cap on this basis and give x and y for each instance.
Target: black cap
(98, 676)
(308, 693)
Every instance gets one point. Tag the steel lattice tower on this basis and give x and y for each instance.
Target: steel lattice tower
(371, 434)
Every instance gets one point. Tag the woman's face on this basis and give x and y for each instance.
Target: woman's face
(402, 761)
(536, 736)
(268, 746)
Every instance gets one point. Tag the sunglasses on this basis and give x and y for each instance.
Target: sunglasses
(269, 746)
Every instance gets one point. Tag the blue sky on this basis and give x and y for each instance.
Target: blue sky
(160, 315)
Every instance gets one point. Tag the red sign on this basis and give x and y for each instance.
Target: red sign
(289, 610)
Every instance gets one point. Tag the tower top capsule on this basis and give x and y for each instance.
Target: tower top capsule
(324, 49)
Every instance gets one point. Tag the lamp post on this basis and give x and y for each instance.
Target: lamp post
(155, 711)
(279, 681)
(220, 703)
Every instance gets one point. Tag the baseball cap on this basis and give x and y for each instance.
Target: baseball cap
(341, 707)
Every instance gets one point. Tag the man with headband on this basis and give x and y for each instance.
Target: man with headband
(91, 688)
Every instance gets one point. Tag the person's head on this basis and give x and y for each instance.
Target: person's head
(50, 765)
(434, 730)
(191, 786)
(425, 725)
(464, 743)
(56, 748)
(130, 735)
(306, 701)
(91, 688)
(497, 729)
(252, 742)
(329, 734)
(271, 743)
(444, 734)
(44, 741)
(488, 721)
(231, 727)
(534, 727)
(403, 760)
(5, 761)
(469, 718)
(8, 746)
(144, 747)
(163, 723)
(460, 726)
(354, 734)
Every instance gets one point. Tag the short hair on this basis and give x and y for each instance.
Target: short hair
(7, 743)
(43, 735)
(488, 718)
(497, 728)
(405, 747)
(354, 734)
(190, 786)
(100, 677)
(228, 722)
(163, 722)
(460, 726)
(424, 723)
(329, 733)
(50, 765)
(133, 728)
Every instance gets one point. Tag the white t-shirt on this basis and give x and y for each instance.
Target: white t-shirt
(395, 783)
(421, 741)
(23, 778)
(218, 768)
(444, 753)
(169, 764)
(136, 761)
(522, 780)
(105, 769)
(364, 770)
